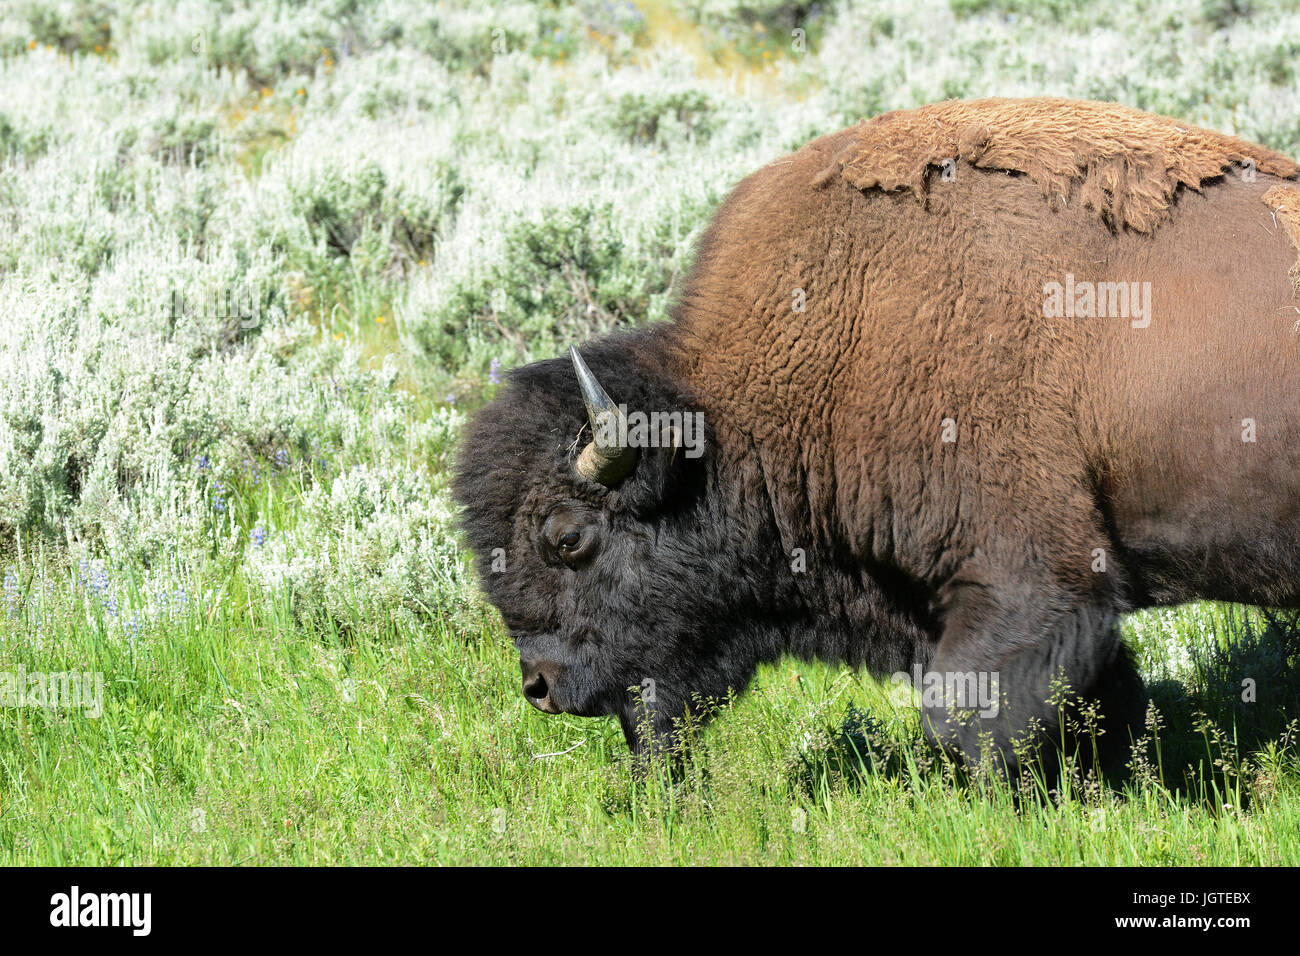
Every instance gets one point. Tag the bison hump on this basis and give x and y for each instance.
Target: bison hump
(1121, 163)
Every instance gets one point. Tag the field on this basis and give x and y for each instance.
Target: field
(259, 260)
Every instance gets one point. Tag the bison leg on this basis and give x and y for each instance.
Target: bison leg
(1048, 654)
(1122, 703)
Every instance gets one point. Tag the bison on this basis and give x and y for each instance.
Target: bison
(946, 393)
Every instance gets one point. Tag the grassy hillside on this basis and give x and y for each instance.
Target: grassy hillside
(256, 262)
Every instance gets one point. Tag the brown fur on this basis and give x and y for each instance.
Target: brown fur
(1075, 436)
(916, 314)
(1123, 164)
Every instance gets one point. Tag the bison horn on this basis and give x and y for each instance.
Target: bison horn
(605, 463)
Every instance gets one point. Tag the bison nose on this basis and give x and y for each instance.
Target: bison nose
(539, 682)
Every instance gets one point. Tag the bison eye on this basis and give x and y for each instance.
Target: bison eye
(570, 536)
(574, 546)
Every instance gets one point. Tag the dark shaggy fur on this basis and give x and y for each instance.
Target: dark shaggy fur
(829, 515)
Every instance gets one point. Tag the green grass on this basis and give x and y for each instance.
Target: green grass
(238, 731)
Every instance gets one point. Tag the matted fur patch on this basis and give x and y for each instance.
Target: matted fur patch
(1285, 203)
(1122, 163)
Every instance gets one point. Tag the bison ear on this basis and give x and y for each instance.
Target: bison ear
(664, 472)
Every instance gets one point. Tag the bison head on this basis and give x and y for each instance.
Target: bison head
(627, 581)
